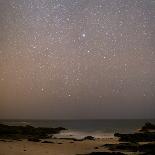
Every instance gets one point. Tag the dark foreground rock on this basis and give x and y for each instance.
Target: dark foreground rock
(26, 132)
(89, 138)
(148, 127)
(74, 139)
(149, 149)
(131, 146)
(130, 142)
(146, 134)
(47, 142)
(136, 137)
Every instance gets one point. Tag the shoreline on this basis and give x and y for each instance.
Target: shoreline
(29, 140)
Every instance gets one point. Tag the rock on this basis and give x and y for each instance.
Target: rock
(147, 148)
(131, 147)
(25, 132)
(148, 126)
(136, 137)
(89, 138)
(96, 148)
(47, 142)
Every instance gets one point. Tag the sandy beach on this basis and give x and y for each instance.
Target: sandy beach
(59, 147)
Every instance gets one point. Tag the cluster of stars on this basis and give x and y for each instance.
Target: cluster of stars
(72, 48)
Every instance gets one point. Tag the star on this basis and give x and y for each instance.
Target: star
(83, 35)
(69, 52)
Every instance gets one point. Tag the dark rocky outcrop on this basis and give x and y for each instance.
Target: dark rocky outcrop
(130, 142)
(89, 138)
(74, 139)
(148, 127)
(136, 137)
(149, 148)
(47, 142)
(132, 147)
(26, 132)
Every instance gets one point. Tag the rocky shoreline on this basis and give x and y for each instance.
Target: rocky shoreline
(140, 143)
(27, 132)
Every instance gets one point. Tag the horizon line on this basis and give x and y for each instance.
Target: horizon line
(70, 119)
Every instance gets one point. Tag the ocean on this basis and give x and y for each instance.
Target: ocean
(80, 128)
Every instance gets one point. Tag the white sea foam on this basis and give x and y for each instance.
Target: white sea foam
(81, 134)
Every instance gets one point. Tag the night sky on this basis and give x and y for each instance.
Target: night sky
(73, 59)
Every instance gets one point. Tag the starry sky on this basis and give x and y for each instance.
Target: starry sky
(77, 59)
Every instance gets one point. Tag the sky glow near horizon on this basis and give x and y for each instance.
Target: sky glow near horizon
(77, 59)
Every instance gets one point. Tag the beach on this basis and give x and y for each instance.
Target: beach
(29, 140)
(58, 147)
